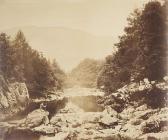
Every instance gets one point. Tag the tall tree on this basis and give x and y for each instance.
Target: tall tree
(5, 59)
(59, 73)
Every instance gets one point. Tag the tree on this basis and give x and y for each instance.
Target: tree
(153, 44)
(20, 56)
(59, 73)
(5, 60)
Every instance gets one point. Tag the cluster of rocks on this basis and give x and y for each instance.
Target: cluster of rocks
(153, 94)
(14, 98)
(137, 111)
(143, 109)
(64, 126)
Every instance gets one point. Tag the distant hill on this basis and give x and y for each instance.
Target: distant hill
(68, 46)
(85, 73)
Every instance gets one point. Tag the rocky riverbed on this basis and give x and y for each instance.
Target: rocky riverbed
(87, 114)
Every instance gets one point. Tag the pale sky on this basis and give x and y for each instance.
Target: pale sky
(105, 18)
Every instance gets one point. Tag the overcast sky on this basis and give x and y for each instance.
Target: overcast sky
(107, 17)
(98, 17)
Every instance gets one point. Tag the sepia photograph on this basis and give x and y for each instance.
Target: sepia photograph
(83, 70)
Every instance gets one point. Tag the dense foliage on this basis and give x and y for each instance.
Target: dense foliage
(141, 50)
(85, 74)
(19, 62)
(59, 73)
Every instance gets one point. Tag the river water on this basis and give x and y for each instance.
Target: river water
(81, 107)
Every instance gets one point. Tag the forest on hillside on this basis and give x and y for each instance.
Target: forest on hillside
(142, 49)
(85, 73)
(20, 63)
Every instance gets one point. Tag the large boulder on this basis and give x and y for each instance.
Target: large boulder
(36, 118)
(157, 122)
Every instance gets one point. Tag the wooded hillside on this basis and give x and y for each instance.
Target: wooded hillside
(142, 49)
(20, 63)
(85, 74)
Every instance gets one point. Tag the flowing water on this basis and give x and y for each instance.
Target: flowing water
(81, 108)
